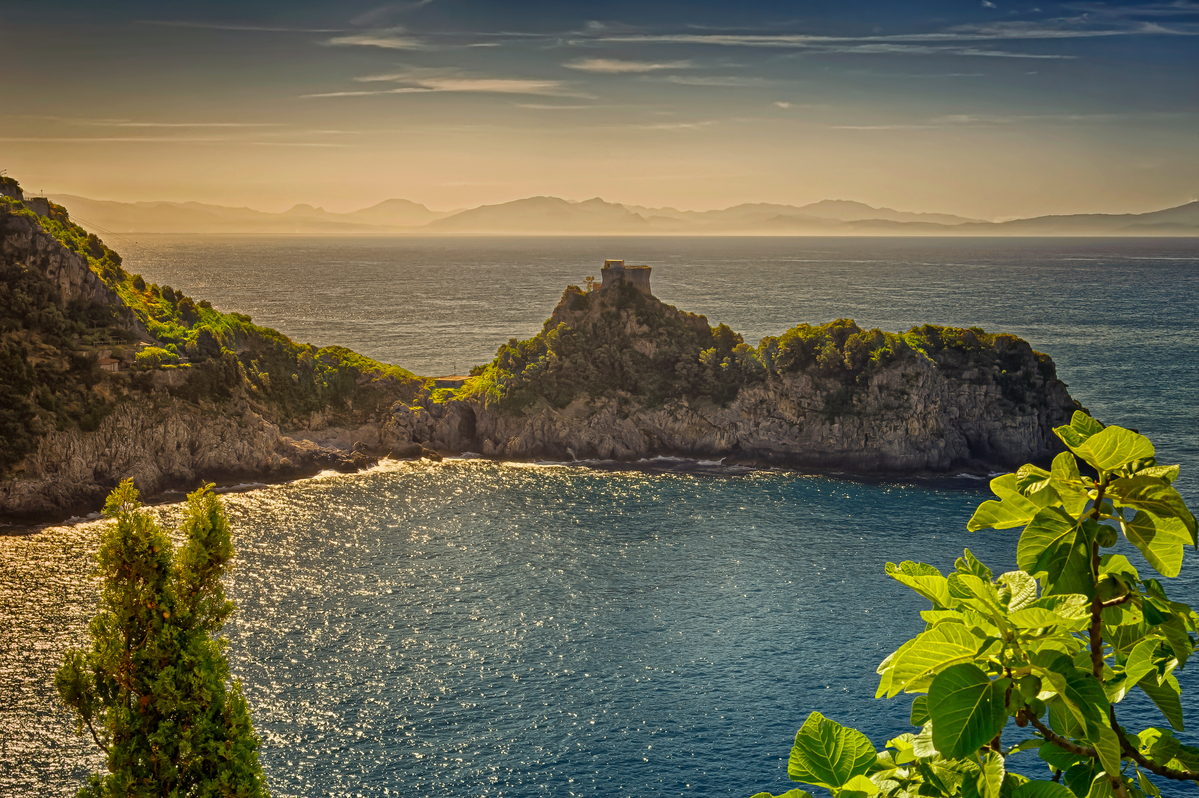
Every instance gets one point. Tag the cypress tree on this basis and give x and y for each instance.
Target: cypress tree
(153, 690)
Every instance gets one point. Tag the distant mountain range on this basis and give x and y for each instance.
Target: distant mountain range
(555, 216)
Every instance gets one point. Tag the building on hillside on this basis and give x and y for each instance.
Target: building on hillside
(615, 271)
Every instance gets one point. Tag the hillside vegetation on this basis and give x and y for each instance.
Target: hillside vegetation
(50, 377)
(620, 341)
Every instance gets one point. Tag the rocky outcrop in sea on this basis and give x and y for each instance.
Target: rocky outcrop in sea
(615, 375)
(980, 402)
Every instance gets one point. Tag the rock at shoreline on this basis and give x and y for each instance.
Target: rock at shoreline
(832, 397)
(109, 377)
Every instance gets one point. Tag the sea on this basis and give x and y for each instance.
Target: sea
(476, 628)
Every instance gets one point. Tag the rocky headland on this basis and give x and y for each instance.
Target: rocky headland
(103, 376)
(617, 374)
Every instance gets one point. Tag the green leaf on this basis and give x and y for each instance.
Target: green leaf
(1080, 429)
(1140, 662)
(1085, 692)
(919, 715)
(796, 793)
(1068, 605)
(1031, 479)
(978, 591)
(1147, 787)
(1057, 758)
(1107, 745)
(1152, 495)
(1031, 744)
(1112, 448)
(922, 743)
(934, 617)
(1064, 721)
(1079, 777)
(1118, 564)
(1023, 587)
(990, 777)
(886, 670)
(1012, 508)
(1181, 644)
(930, 653)
(1036, 618)
(924, 579)
(1067, 483)
(1100, 787)
(1055, 544)
(1168, 473)
(860, 784)
(1161, 540)
(1042, 789)
(969, 564)
(967, 710)
(828, 754)
(1166, 697)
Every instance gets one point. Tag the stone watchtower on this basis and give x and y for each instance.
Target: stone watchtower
(615, 271)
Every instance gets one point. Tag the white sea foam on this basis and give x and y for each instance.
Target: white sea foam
(241, 486)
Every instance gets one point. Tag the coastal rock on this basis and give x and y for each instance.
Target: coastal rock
(618, 375)
(23, 242)
(160, 446)
(898, 424)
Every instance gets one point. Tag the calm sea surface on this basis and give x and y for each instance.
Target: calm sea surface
(471, 628)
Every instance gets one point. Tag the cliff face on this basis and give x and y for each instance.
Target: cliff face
(24, 243)
(990, 407)
(160, 443)
(615, 374)
(70, 430)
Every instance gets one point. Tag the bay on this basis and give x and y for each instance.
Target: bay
(474, 628)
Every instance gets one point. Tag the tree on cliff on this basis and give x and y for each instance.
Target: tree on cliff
(153, 690)
(1057, 664)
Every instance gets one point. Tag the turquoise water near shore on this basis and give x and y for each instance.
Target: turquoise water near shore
(473, 628)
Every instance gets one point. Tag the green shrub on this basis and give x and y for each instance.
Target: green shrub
(153, 689)
(1053, 647)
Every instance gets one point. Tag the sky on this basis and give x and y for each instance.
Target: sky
(990, 109)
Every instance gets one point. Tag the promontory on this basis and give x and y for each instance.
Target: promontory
(105, 376)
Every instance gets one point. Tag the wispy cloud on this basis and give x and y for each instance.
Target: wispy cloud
(128, 123)
(553, 107)
(166, 140)
(730, 81)
(388, 39)
(949, 121)
(1180, 8)
(131, 123)
(177, 23)
(881, 127)
(963, 40)
(614, 66)
(418, 81)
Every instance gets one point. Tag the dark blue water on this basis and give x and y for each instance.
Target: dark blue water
(471, 628)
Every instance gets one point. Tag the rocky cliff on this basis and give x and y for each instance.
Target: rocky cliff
(614, 374)
(832, 397)
(71, 430)
(160, 443)
(25, 244)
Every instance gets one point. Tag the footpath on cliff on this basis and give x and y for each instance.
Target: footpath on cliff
(105, 376)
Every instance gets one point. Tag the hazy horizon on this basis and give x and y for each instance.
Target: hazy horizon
(990, 110)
